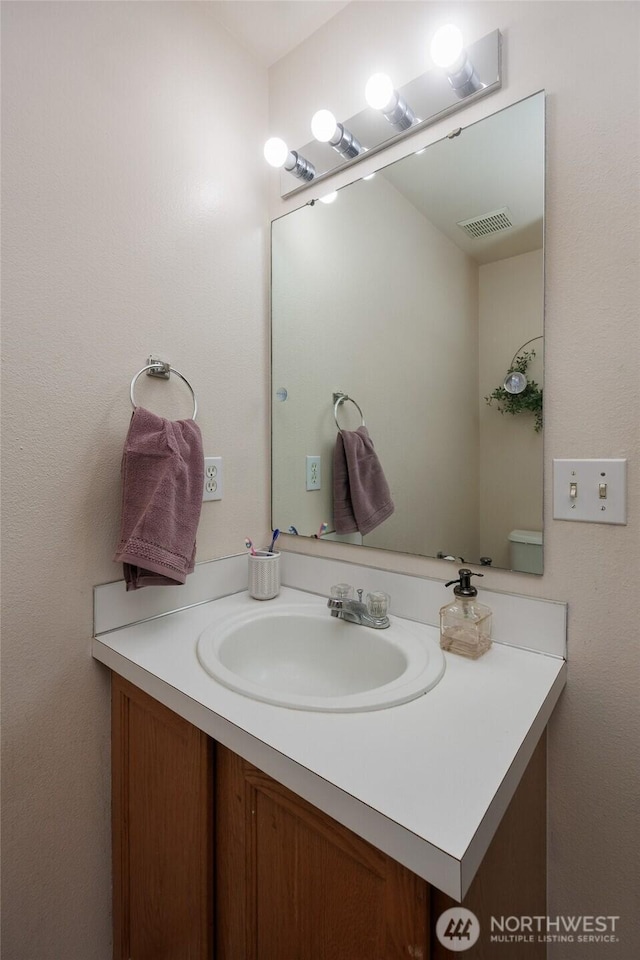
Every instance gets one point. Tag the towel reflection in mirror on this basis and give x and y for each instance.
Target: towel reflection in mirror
(361, 495)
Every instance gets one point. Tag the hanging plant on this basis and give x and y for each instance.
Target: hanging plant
(528, 401)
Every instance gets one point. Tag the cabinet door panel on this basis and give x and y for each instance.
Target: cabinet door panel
(312, 889)
(162, 830)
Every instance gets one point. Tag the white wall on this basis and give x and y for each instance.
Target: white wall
(511, 311)
(591, 345)
(347, 297)
(134, 221)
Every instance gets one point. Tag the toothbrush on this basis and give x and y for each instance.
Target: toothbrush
(276, 534)
(249, 545)
(293, 530)
(323, 529)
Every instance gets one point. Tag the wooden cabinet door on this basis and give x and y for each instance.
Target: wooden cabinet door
(292, 884)
(162, 809)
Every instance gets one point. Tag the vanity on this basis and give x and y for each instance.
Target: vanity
(249, 826)
(243, 829)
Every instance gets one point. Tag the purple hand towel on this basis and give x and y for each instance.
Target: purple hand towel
(162, 480)
(361, 495)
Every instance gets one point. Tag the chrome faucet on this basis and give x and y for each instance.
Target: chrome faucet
(373, 613)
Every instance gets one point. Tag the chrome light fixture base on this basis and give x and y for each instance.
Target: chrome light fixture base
(299, 166)
(400, 116)
(345, 143)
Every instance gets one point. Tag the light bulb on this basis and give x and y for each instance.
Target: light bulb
(330, 197)
(446, 46)
(381, 95)
(379, 91)
(276, 152)
(323, 125)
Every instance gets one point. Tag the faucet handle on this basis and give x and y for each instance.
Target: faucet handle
(378, 604)
(341, 591)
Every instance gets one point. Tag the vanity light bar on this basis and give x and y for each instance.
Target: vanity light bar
(459, 75)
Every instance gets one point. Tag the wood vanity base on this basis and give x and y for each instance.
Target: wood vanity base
(312, 888)
(162, 831)
(214, 859)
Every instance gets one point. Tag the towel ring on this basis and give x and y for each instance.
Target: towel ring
(164, 368)
(340, 398)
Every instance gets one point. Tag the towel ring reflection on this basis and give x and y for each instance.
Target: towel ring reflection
(340, 398)
(163, 370)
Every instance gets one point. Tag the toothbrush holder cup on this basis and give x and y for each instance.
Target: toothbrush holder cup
(264, 575)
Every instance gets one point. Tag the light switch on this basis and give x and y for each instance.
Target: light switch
(593, 491)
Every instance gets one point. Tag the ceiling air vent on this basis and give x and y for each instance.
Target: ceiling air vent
(487, 223)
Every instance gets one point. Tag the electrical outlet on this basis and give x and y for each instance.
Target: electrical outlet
(314, 473)
(212, 478)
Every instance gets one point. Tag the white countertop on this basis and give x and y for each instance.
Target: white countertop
(426, 782)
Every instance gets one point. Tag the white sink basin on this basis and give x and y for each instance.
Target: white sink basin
(298, 655)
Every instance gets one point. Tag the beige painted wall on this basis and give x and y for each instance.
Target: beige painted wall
(591, 344)
(134, 221)
(348, 298)
(511, 311)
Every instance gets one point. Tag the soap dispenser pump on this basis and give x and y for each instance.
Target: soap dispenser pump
(465, 624)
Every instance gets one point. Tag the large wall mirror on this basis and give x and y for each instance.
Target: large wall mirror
(414, 293)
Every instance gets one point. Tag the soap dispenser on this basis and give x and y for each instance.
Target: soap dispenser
(465, 624)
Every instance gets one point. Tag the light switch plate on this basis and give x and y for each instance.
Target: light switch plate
(593, 491)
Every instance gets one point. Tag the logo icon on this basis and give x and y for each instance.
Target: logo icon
(457, 929)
